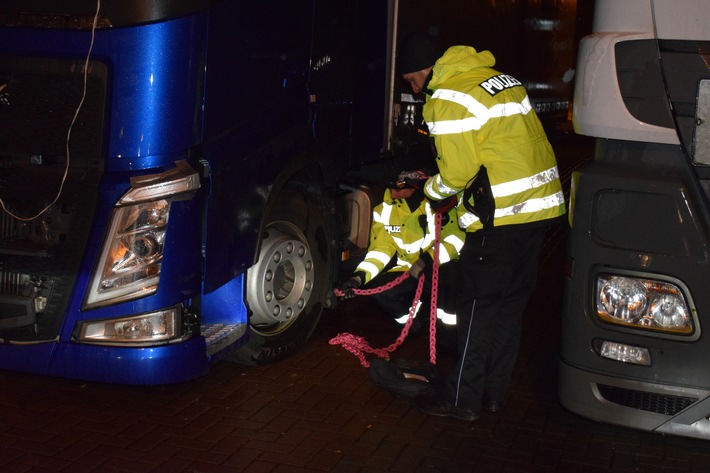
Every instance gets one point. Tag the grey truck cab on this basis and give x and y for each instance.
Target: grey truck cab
(637, 300)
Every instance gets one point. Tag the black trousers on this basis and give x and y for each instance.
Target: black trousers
(497, 274)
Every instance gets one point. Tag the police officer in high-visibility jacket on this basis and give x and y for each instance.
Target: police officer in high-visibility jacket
(402, 238)
(491, 148)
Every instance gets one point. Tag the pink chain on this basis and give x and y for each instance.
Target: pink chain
(434, 291)
(376, 290)
(358, 346)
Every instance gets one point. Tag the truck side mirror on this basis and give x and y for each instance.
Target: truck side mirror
(701, 128)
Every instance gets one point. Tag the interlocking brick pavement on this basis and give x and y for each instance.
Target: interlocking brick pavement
(318, 412)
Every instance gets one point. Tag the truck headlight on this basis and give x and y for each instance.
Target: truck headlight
(642, 303)
(144, 329)
(129, 266)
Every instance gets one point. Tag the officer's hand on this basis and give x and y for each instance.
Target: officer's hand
(422, 264)
(349, 286)
(443, 206)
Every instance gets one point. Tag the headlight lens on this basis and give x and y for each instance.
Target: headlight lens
(144, 329)
(642, 303)
(131, 258)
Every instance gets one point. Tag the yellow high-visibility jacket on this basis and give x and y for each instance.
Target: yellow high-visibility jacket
(479, 116)
(396, 231)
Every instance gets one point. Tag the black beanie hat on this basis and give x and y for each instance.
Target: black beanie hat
(416, 52)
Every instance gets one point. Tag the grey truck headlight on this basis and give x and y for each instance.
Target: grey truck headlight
(130, 261)
(643, 303)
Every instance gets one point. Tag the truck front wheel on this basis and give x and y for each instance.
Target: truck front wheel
(289, 283)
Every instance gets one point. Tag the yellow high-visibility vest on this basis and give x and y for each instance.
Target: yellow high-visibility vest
(479, 116)
(397, 232)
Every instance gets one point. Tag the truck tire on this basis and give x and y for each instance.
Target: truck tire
(288, 285)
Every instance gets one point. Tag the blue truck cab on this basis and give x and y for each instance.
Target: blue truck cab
(169, 178)
(181, 180)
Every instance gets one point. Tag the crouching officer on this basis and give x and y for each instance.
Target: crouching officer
(402, 238)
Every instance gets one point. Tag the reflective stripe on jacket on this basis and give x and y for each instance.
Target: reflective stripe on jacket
(479, 116)
(396, 232)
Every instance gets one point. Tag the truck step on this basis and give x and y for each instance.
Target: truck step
(220, 336)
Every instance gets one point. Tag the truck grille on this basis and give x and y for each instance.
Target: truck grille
(646, 401)
(41, 251)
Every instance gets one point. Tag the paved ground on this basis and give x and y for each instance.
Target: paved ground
(318, 412)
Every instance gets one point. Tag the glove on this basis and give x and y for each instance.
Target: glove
(443, 206)
(349, 286)
(422, 264)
